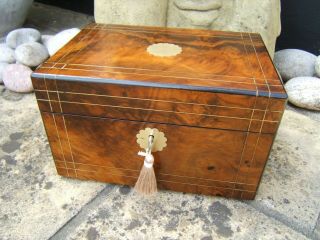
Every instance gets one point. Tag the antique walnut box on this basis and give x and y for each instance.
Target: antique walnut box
(216, 96)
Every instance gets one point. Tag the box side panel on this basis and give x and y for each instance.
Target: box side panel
(58, 141)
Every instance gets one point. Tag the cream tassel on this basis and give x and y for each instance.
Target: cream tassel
(147, 183)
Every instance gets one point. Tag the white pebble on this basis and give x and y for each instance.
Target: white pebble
(6, 54)
(17, 78)
(22, 35)
(61, 39)
(304, 92)
(31, 54)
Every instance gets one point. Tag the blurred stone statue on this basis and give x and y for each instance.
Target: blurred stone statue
(131, 12)
(262, 16)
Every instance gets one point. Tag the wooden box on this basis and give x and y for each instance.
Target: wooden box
(215, 95)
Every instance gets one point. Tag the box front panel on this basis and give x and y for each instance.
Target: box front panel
(197, 160)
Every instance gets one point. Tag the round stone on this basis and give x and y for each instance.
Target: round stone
(17, 78)
(293, 63)
(317, 66)
(6, 54)
(45, 39)
(304, 92)
(61, 39)
(22, 35)
(31, 54)
(3, 65)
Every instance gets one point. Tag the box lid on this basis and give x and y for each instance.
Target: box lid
(202, 60)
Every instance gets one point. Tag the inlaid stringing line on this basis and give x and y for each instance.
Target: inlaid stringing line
(55, 124)
(201, 185)
(265, 81)
(144, 69)
(267, 106)
(66, 130)
(157, 110)
(114, 28)
(44, 80)
(264, 75)
(61, 106)
(125, 67)
(166, 76)
(155, 100)
(174, 175)
(206, 179)
(255, 100)
(252, 114)
(82, 49)
(251, 68)
(54, 65)
(170, 32)
(81, 40)
(74, 166)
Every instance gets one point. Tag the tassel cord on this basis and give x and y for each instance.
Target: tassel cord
(146, 183)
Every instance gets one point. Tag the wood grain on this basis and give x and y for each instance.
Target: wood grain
(217, 157)
(217, 61)
(190, 108)
(219, 103)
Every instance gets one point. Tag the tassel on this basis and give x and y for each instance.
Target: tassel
(147, 184)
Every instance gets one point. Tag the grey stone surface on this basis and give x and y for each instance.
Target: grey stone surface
(317, 66)
(22, 35)
(293, 63)
(176, 216)
(17, 78)
(2, 67)
(290, 185)
(61, 39)
(13, 14)
(31, 54)
(304, 92)
(232, 15)
(6, 54)
(35, 202)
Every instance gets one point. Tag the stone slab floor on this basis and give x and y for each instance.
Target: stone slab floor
(36, 203)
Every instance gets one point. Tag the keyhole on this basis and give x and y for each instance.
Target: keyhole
(210, 168)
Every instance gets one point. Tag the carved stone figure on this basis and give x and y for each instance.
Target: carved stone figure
(233, 15)
(131, 12)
